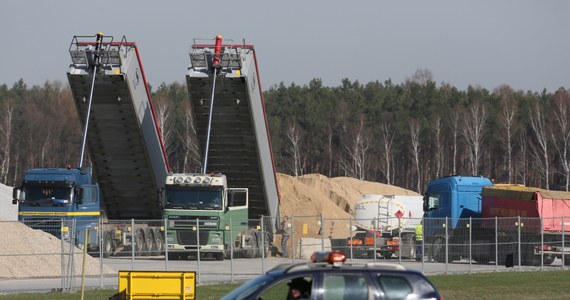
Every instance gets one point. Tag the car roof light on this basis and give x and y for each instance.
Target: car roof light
(335, 258)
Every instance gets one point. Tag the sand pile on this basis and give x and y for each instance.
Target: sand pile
(334, 198)
(27, 253)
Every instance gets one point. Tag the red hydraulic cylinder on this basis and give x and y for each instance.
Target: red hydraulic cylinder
(217, 52)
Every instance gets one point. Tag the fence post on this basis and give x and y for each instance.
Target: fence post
(166, 243)
(231, 260)
(375, 227)
(563, 244)
(101, 233)
(350, 236)
(263, 245)
(496, 243)
(292, 239)
(519, 239)
(322, 233)
(198, 247)
(133, 243)
(470, 225)
(400, 241)
(542, 243)
(446, 245)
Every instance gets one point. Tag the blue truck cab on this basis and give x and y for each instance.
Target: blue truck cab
(57, 200)
(454, 197)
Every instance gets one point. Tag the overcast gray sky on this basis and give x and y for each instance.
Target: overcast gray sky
(524, 44)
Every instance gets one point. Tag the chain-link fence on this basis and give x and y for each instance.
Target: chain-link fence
(228, 250)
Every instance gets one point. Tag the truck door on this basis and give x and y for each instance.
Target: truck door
(87, 200)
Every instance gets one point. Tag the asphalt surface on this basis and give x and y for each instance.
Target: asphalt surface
(237, 270)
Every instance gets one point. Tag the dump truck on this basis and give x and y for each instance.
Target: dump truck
(470, 217)
(385, 225)
(117, 202)
(234, 199)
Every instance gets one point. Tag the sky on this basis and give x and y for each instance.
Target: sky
(484, 43)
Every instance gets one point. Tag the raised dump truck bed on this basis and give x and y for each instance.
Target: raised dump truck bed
(239, 144)
(123, 139)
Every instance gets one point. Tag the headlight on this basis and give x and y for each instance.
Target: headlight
(197, 180)
(179, 179)
(206, 180)
(188, 180)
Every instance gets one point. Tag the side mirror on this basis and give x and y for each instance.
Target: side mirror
(78, 195)
(15, 195)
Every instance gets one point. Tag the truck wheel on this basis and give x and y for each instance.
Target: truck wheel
(158, 242)
(439, 250)
(108, 246)
(140, 242)
(149, 242)
(219, 256)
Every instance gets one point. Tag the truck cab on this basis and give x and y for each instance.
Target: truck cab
(454, 197)
(204, 215)
(50, 199)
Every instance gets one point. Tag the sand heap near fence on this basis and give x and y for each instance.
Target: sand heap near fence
(27, 253)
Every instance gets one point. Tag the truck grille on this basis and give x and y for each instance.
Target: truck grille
(190, 237)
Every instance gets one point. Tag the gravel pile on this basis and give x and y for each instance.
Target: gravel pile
(29, 253)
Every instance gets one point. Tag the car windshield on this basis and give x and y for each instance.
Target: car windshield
(46, 196)
(194, 199)
(248, 288)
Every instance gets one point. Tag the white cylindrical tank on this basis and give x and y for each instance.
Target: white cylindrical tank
(388, 211)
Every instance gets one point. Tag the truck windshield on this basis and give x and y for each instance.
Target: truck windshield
(46, 196)
(194, 199)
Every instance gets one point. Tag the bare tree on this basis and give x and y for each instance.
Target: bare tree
(165, 123)
(415, 139)
(540, 150)
(473, 133)
(508, 122)
(357, 152)
(294, 136)
(521, 162)
(455, 133)
(330, 147)
(6, 138)
(561, 136)
(421, 76)
(387, 140)
(189, 141)
(436, 123)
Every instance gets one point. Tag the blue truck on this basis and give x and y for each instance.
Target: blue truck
(449, 202)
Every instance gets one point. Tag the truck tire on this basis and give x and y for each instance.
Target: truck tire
(158, 242)
(108, 245)
(140, 242)
(149, 242)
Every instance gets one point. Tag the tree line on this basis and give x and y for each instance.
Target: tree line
(402, 134)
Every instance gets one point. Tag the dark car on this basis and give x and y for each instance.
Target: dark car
(329, 277)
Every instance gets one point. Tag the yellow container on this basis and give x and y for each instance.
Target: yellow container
(157, 285)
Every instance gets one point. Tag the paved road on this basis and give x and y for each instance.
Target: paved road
(237, 270)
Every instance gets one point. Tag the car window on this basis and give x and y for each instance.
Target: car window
(345, 286)
(290, 288)
(394, 287)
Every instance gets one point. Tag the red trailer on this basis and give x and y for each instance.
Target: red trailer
(539, 219)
